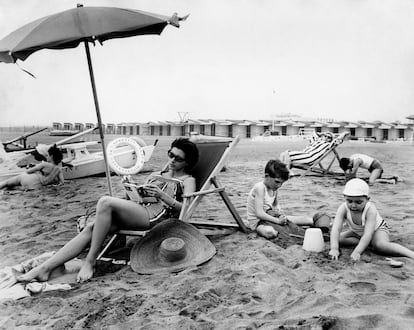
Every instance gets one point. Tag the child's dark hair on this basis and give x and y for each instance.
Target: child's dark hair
(190, 150)
(275, 168)
(344, 163)
(56, 154)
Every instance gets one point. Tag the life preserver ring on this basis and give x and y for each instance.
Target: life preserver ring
(111, 153)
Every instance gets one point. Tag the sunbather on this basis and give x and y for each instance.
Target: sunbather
(45, 173)
(114, 213)
(319, 144)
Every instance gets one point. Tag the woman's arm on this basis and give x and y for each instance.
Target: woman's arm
(52, 176)
(336, 231)
(36, 168)
(61, 178)
(366, 238)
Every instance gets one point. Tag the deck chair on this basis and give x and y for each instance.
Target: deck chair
(213, 157)
(310, 159)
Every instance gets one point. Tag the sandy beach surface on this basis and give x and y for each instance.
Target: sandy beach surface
(251, 283)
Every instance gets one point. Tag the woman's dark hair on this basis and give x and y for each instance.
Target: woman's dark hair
(36, 155)
(275, 168)
(190, 150)
(344, 163)
(56, 154)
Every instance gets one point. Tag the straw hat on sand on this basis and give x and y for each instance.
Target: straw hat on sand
(170, 247)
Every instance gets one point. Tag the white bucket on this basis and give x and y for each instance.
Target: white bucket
(313, 240)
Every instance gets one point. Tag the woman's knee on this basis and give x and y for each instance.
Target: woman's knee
(105, 203)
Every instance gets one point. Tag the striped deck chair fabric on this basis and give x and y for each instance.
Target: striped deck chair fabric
(312, 152)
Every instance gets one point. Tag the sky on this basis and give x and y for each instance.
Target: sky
(231, 59)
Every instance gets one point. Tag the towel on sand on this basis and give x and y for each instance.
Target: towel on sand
(11, 289)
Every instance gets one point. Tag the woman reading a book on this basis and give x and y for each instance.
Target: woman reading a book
(164, 189)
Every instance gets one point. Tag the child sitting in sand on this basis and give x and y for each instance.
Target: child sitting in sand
(366, 226)
(262, 204)
(42, 174)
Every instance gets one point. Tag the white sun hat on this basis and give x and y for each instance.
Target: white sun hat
(43, 149)
(356, 187)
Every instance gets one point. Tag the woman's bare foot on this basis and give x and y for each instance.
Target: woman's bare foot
(39, 273)
(86, 272)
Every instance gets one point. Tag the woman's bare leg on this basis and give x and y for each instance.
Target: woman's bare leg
(71, 250)
(12, 182)
(111, 213)
(381, 243)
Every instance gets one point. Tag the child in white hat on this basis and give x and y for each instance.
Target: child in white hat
(366, 226)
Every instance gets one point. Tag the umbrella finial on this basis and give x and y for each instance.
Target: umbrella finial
(175, 20)
(79, 5)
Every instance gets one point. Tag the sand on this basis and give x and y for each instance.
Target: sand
(251, 282)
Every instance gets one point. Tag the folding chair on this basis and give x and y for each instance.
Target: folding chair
(213, 157)
(312, 159)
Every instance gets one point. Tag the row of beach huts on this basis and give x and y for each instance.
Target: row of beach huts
(377, 130)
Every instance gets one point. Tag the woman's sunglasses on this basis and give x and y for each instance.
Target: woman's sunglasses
(178, 159)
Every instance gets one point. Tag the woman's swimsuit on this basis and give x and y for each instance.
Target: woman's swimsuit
(359, 228)
(158, 210)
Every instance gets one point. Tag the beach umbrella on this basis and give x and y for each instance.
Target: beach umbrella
(86, 25)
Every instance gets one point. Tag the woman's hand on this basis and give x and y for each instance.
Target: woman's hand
(153, 191)
(334, 254)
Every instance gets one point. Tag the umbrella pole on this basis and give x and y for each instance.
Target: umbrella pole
(98, 115)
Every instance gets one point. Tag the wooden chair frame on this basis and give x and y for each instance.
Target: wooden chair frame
(210, 185)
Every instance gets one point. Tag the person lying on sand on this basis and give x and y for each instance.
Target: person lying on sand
(367, 227)
(351, 165)
(114, 213)
(262, 204)
(45, 173)
(319, 144)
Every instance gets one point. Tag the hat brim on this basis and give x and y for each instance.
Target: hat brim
(145, 257)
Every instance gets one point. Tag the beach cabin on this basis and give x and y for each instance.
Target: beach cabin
(317, 126)
(243, 128)
(382, 131)
(159, 128)
(399, 132)
(351, 128)
(67, 126)
(79, 126)
(89, 125)
(57, 126)
(110, 129)
(333, 127)
(365, 131)
(223, 128)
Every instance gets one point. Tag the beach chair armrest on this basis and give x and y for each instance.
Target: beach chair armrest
(205, 192)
